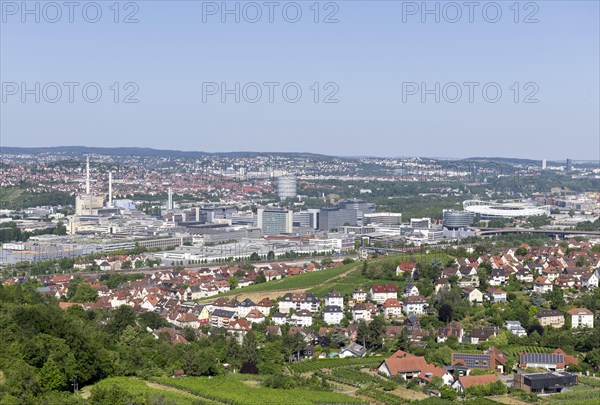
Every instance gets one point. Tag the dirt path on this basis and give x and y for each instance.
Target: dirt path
(158, 386)
(505, 399)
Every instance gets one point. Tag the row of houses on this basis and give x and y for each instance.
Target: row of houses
(457, 375)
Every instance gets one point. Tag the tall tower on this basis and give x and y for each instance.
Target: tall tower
(87, 176)
(110, 189)
(170, 201)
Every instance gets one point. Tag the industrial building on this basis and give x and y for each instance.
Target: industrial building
(543, 383)
(287, 187)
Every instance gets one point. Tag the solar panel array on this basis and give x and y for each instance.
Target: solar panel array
(541, 358)
(473, 360)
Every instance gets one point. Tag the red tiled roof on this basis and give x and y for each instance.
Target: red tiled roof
(385, 288)
(470, 380)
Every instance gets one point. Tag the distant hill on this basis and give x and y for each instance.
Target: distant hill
(502, 160)
(150, 152)
(135, 151)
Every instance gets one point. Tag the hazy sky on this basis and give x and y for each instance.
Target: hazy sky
(376, 61)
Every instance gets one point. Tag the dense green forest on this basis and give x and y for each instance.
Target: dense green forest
(45, 349)
(17, 198)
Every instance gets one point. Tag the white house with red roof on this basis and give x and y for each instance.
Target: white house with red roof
(380, 293)
(581, 318)
(392, 308)
(542, 285)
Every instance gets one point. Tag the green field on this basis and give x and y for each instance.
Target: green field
(516, 350)
(141, 392)
(579, 395)
(344, 278)
(233, 390)
(10, 194)
(302, 281)
(354, 279)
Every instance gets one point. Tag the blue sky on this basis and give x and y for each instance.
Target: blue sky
(372, 58)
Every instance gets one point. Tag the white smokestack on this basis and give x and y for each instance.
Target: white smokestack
(87, 177)
(110, 189)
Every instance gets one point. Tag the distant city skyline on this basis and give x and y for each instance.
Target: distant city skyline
(375, 79)
(142, 148)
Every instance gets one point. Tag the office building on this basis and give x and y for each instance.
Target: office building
(420, 223)
(383, 218)
(274, 221)
(336, 218)
(356, 204)
(457, 219)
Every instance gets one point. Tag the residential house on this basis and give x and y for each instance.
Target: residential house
(406, 267)
(414, 305)
(279, 318)
(492, 359)
(472, 294)
(334, 299)
(581, 318)
(255, 316)
(410, 290)
(408, 366)
(265, 305)
(333, 314)
(550, 273)
(392, 308)
(359, 295)
(515, 328)
(589, 280)
(481, 334)
(380, 293)
(524, 275)
(239, 328)
(542, 285)
(353, 350)
(452, 329)
(496, 295)
(244, 307)
(463, 383)
(271, 275)
(298, 301)
(193, 292)
(363, 311)
(551, 361)
(220, 318)
(442, 285)
(550, 317)
(302, 318)
(498, 277)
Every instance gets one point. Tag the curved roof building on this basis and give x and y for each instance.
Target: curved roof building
(491, 209)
